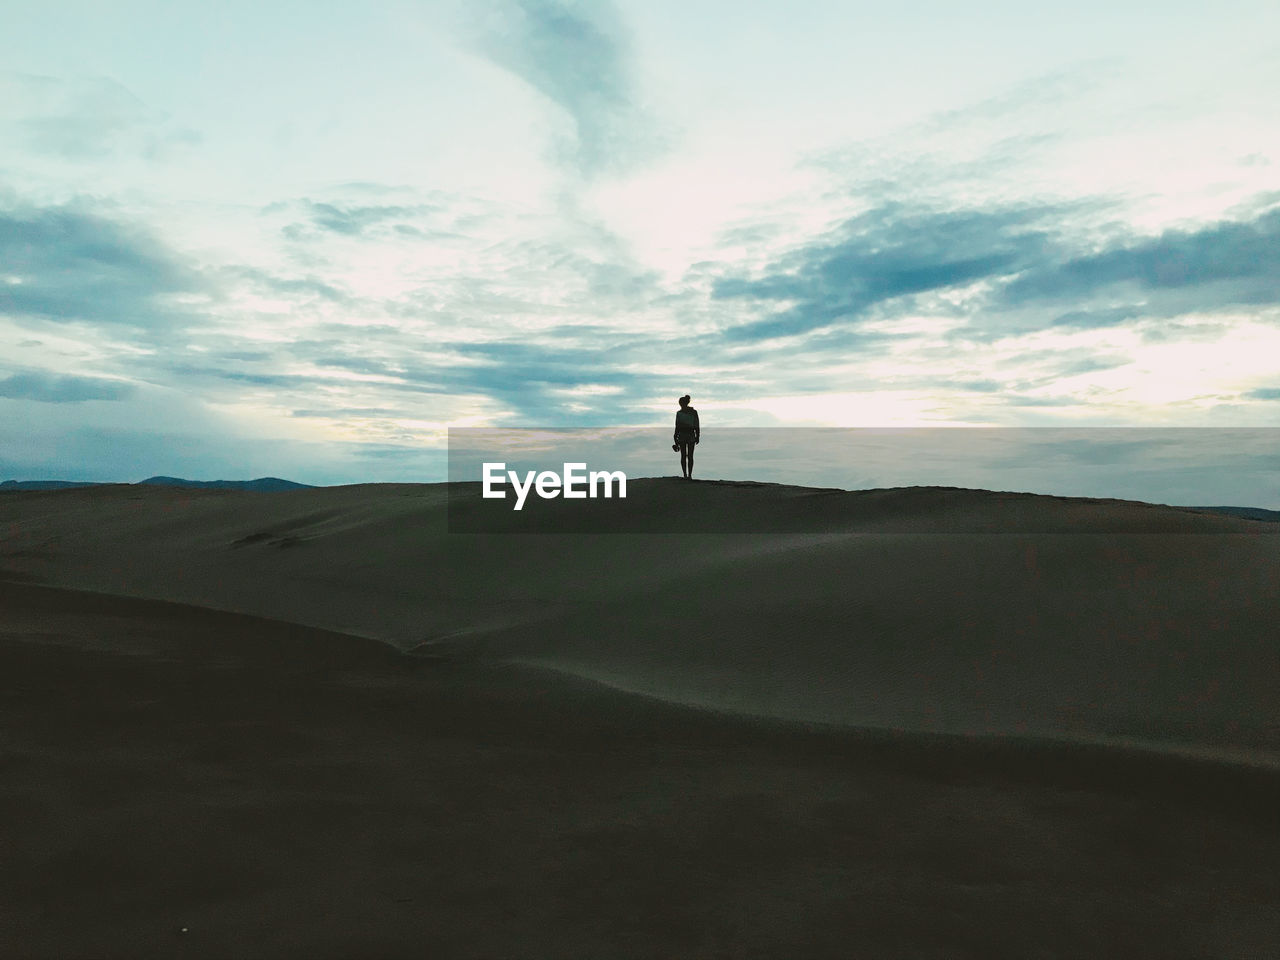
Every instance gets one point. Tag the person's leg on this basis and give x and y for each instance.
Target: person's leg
(690, 473)
(684, 460)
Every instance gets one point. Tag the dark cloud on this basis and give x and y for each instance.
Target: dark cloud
(1218, 265)
(350, 220)
(886, 253)
(1148, 283)
(579, 57)
(1096, 319)
(873, 264)
(531, 379)
(48, 387)
(70, 265)
(532, 382)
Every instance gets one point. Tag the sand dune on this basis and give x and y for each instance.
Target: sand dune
(924, 608)
(950, 723)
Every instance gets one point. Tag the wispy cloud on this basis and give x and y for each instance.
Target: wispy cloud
(86, 119)
(986, 148)
(578, 56)
(305, 287)
(46, 387)
(350, 220)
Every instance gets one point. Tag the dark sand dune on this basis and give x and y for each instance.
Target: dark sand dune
(954, 724)
(926, 608)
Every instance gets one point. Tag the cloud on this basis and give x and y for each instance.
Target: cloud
(350, 220)
(1019, 268)
(1065, 363)
(342, 412)
(1094, 319)
(542, 318)
(1224, 263)
(64, 264)
(1034, 102)
(87, 119)
(527, 382)
(534, 380)
(46, 387)
(987, 148)
(353, 220)
(556, 378)
(889, 252)
(263, 282)
(1022, 400)
(1264, 393)
(579, 57)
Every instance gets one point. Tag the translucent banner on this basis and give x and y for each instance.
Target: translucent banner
(818, 480)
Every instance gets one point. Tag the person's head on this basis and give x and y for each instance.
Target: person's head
(684, 401)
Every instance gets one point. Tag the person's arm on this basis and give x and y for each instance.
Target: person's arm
(697, 427)
(675, 434)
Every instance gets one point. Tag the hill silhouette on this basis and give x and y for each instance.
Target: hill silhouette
(264, 484)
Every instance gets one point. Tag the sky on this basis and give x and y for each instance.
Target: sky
(306, 239)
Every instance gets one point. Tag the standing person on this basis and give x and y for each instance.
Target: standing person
(688, 433)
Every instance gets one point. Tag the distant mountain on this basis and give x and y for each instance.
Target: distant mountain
(1248, 513)
(46, 484)
(262, 484)
(265, 484)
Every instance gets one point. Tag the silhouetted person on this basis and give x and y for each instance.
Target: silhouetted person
(688, 433)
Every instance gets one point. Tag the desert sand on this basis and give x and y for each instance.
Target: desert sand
(924, 722)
